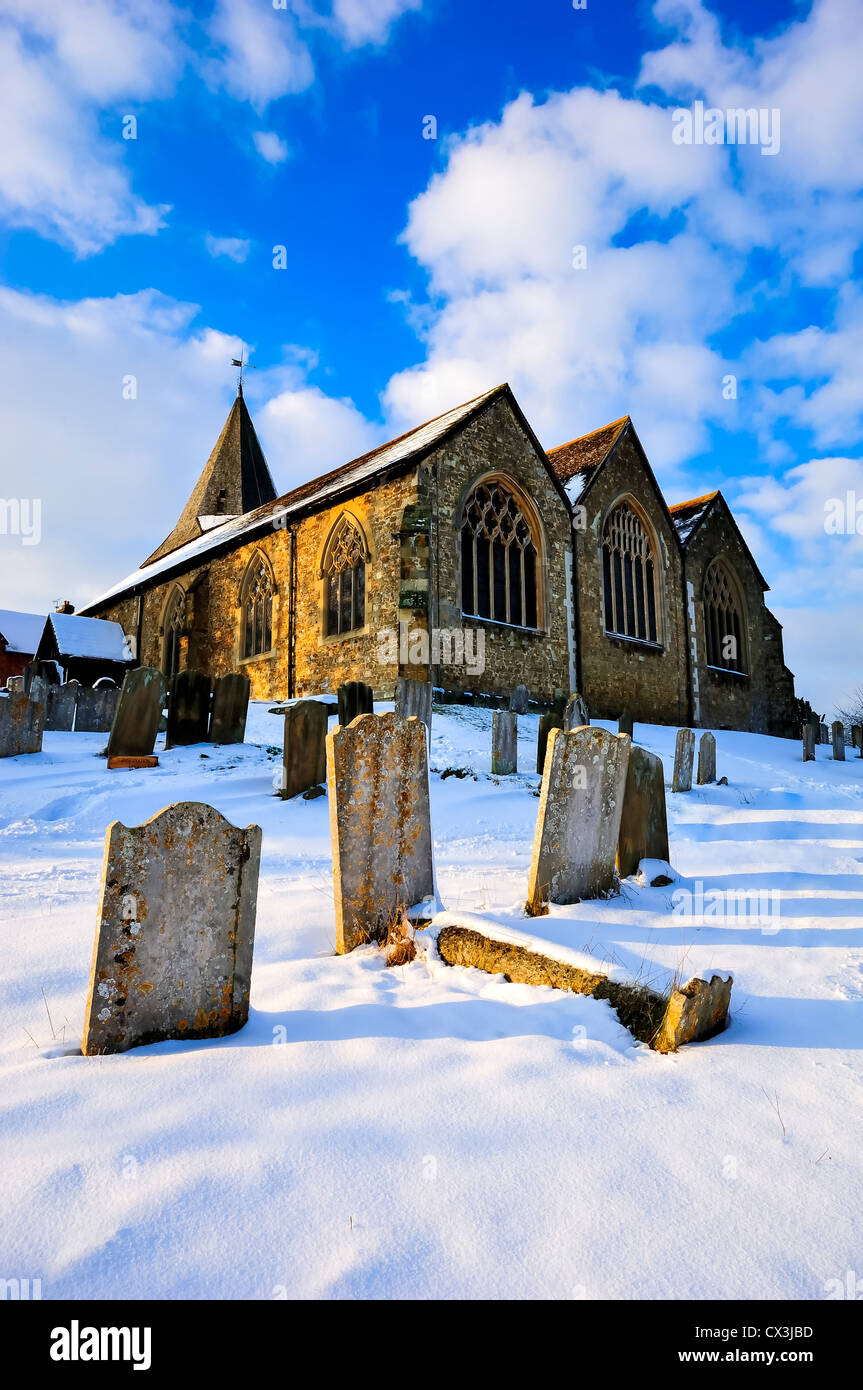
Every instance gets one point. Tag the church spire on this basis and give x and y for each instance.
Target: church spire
(236, 479)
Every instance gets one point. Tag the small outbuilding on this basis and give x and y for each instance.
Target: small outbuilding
(19, 637)
(85, 649)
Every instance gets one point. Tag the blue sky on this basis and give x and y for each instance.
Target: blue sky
(421, 271)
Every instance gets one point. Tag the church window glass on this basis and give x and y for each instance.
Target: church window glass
(499, 560)
(629, 576)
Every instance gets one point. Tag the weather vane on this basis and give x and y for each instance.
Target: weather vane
(242, 361)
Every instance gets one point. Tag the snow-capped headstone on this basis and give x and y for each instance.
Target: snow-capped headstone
(414, 698)
(15, 685)
(838, 734)
(519, 699)
(173, 953)
(139, 710)
(60, 707)
(809, 732)
(547, 722)
(625, 724)
(355, 698)
(643, 823)
(304, 761)
(230, 708)
(504, 742)
(706, 759)
(22, 721)
(684, 756)
(377, 774)
(96, 709)
(189, 697)
(575, 715)
(578, 825)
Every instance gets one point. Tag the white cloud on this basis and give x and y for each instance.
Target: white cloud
(258, 55)
(235, 248)
(270, 146)
(369, 21)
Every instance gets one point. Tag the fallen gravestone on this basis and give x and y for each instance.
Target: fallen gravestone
(189, 695)
(96, 709)
(643, 823)
(355, 698)
(173, 953)
(578, 825)
(377, 774)
(60, 707)
(22, 721)
(519, 699)
(809, 731)
(139, 710)
(575, 715)
(838, 734)
(414, 698)
(547, 722)
(706, 759)
(230, 709)
(624, 724)
(504, 742)
(684, 756)
(304, 760)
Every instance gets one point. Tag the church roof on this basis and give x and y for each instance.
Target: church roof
(575, 463)
(235, 480)
(687, 515)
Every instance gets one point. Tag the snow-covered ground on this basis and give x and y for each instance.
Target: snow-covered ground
(429, 1131)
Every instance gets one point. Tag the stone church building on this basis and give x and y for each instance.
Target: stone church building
(464, 553)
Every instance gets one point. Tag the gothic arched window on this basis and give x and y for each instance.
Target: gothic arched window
(499, 558)
(256, 604)
(723, 620)
(628, 576)
(173, 625)
(344, 574)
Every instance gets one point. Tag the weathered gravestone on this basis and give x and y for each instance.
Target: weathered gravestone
(624, 724)
(809, 731)
(15, 685)
(230, 708)
(519, 699)
(643, 822)
(684, 756)
(355, 698)
(96, 709)
(173, 953)
(22, 721)
(547, 722)
(189, 696)
(575, 715)
(139, 710)
(305, 753)
(377, 773)
(857, 738)
(706, 759)
(414, 698)
(39, 690)
(838, 731)
(60, 707)
(825, 733)
(504, 742)
(578, 824)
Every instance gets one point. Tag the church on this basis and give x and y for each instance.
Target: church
(464, 553)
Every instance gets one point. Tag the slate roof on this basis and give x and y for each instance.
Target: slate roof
(577, 462)
(21, 630)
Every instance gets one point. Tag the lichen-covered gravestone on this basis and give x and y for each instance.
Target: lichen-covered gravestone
(706, 759)
(139, 710)
(189, 698)
(377, 772)
(355, 698)
(96, 709)
(519, 699)
(414, 698)
(15, 685)
(625, 723)
(575, 715)
(684, 756)
(838, 731)
(305, 753)
(809, 731)
(22, 721)
(504, 742)
(578, 825)
(60, 708)
(643, 822)
(173, 953)
(547, 722)
(230, 708)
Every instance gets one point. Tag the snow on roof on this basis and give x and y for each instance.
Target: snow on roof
(686, 515)
(307, 495)
(89, 637)
(21, 630)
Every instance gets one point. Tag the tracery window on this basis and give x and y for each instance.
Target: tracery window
(629, 576)
(723, 620)
(499, 558)
(173, 626)
(344, 573)
(256, 602)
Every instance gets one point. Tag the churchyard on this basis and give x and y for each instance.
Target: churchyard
(506, 1113)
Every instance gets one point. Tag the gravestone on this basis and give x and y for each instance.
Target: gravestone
(139, 710)
(60, 708)
(230, 708)
(15, 685)
(519, 699)
(504, 742)
(188, 708)
(39, 690)
(857, 738)
(22, 721)
(304, 762)
(809, 731)
(355, 697)
(684, 756)
(414, 698)
(578, 825)
(97, 707)
(643, 822)
(377, 774)
(547, 722)
(838, 730)
(825, 733)
(173, 954)
(624, 724)
(706, 759)
(575, 715)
